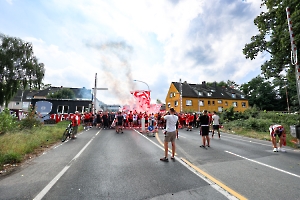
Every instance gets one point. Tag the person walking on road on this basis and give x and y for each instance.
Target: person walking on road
(170, 134)
(216, 124)
(277, 130)
(204, 129)
(119, 122)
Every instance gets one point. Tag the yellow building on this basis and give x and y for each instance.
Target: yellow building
(199, 97)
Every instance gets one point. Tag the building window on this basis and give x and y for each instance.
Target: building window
(226, 103)
(233, 95)
(200, 93)
(189, 102)
(242, 96)
(169, 105)
(234, 104)
(174, 94)
(208, 102)
(219, 101)
(209, 94)
(62, 109)
(220, 109)
(201, 103)
(80, 109)
(176, 103)
(171, 95)
(244, 104)
(213, 103)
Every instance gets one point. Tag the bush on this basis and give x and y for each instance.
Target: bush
(30, 121)
(10, 157)
(8, 122)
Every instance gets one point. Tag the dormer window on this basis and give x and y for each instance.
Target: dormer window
(200, 93)
(233, 95)
(209, 94)
(242, 96)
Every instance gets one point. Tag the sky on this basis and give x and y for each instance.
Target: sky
(155, 42)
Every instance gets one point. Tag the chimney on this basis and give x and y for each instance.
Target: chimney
(204, 84)
(215, 84)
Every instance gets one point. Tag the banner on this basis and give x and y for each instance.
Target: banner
(143, 98)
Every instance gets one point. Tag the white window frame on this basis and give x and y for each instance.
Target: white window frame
(176, 103)
(188, 102)
(65, 109)
(200, 103)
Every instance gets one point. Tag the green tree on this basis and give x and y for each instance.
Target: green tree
(273, 38)
(64, 93)
(158, 101)
(261, 93)
(228, 83)
(19, 68)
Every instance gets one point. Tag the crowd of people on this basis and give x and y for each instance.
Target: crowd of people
(133, 119)
(205, 121)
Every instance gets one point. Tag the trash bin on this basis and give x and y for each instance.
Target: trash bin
(295, 131)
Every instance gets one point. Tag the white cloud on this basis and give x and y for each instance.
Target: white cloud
(162, 42)
(9, 1)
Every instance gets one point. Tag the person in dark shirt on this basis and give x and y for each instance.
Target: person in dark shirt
(105, 120)
(204, 129)
(119, 122)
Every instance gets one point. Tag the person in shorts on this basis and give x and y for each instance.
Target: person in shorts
(119, 122)
(215, 124)
(170, 134)
(204, 129)
(277, 130)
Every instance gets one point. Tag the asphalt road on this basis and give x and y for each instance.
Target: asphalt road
(101, 164)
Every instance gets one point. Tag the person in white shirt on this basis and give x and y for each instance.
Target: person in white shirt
(170, 134)
(216, 124)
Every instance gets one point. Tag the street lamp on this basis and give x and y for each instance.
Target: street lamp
(143, 82)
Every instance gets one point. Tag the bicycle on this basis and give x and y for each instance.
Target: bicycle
(68, 133)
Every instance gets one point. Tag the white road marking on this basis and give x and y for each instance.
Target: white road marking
(260, 163)
(61, 173)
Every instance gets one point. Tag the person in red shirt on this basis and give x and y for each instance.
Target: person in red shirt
(190, 119)
(182, 119)
(140, 116)
(130, 119)
(146, 119)
(86, 119)
(74, 120)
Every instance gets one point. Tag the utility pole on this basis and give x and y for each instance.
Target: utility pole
(95, 93)
(180, 95)
(294, 58)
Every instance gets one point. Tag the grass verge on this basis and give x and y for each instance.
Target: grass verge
(16, 146)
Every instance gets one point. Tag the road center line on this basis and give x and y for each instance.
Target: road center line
(61, 173)
(217, 185)
(260, 163)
